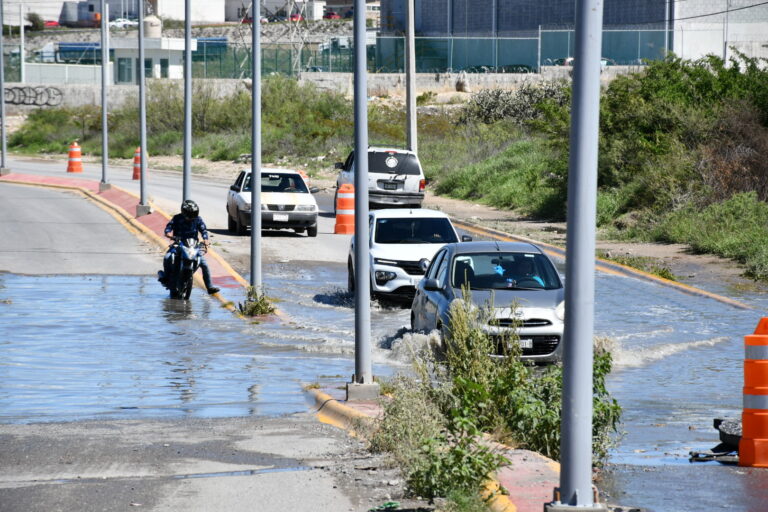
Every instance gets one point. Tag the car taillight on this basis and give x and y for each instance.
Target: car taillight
(422, 185)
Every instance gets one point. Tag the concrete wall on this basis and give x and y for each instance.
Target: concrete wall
(381, 84)
(23, 98)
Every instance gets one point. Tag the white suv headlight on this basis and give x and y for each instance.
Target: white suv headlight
(246, 207)
(305, 208)
(560, 310)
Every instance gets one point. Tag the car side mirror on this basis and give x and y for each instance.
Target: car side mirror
(466, 238)
(314, 190)
(431, 285)
(234, 188)
(338, 165)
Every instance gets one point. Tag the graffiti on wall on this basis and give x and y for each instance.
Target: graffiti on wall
(41, 96)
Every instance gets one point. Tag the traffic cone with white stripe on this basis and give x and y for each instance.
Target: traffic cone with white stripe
(75, 163)
(345, 210)
(137, 164)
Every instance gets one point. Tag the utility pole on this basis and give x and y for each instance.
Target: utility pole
(104, 184)
(725, 31)
(22, 71)
(666, 28)
(576, 431)
(142, 208)
(256, 280)
(362, 386)
(187, 172)
(3, 168)
(410, 76)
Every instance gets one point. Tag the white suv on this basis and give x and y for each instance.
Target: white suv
(395, 177)
(402, 242)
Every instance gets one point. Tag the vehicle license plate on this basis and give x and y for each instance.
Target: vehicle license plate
(526, 343)
(280, 217)
(390, 186)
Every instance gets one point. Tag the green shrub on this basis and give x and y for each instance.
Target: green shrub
(521, 106)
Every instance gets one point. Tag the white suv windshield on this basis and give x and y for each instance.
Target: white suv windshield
(414, 231)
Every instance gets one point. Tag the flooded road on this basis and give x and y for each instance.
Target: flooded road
(76, 347)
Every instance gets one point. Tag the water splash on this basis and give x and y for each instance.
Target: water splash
(633, 358)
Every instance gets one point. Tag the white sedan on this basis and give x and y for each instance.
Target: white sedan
(286, 202)
(123, 23)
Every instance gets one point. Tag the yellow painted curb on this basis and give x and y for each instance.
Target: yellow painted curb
(333, 412)
(606, 266)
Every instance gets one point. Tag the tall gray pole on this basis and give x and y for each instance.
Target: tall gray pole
(142, 115)
(576, 436)
(187, 172)
(410, 77)
(2, 92)
(362, 386)
(666, 28)
(256, 279)
(725, 31)
(22, 70)
(104, 84)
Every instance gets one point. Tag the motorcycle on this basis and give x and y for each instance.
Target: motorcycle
(185, 259)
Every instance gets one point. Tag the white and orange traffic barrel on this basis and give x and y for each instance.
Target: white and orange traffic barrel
(345, 210)
(75, 163)
(753, 447)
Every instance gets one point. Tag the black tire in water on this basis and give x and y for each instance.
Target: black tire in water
(312, 231)
(350, 278)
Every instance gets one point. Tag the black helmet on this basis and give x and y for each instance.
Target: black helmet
(190, 209)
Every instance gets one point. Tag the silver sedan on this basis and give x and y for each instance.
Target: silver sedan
(517, 279)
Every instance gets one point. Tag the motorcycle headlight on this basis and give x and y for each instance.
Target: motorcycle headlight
(560, 311)
(305, 208)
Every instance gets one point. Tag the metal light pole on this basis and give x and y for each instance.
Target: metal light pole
(3, 169)
(187, 172)
(666, 28)
(22, 71)
(576, 436)
(725, 31)
(142, 208)
(410, 77)
(362, 386)
(104, 79)
(256, 145)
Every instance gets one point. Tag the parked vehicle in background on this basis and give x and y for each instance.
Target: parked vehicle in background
(296, 17)
(402, 241)
(517, 279)
(123, 23)
(286, 202)
(50, 23)
(330, 15)
(395, 177)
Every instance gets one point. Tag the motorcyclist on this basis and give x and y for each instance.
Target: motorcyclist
(187, 224)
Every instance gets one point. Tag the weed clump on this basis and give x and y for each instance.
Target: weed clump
(435, 423)
(256, 303)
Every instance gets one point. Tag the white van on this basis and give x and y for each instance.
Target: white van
(395, 178)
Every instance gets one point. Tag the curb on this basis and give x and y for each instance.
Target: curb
(332, 412)
(608, 267)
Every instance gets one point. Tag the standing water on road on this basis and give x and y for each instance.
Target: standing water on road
(75, 347)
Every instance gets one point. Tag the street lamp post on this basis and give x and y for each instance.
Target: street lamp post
(576, 430)
(256, 279)
(362, 386)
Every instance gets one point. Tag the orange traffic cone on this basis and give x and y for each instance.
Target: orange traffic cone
(345, 210)
(75, 163)
(137, 164)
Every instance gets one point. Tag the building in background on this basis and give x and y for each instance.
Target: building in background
(493, 34)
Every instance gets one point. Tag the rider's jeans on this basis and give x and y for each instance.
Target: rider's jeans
(203, 267)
